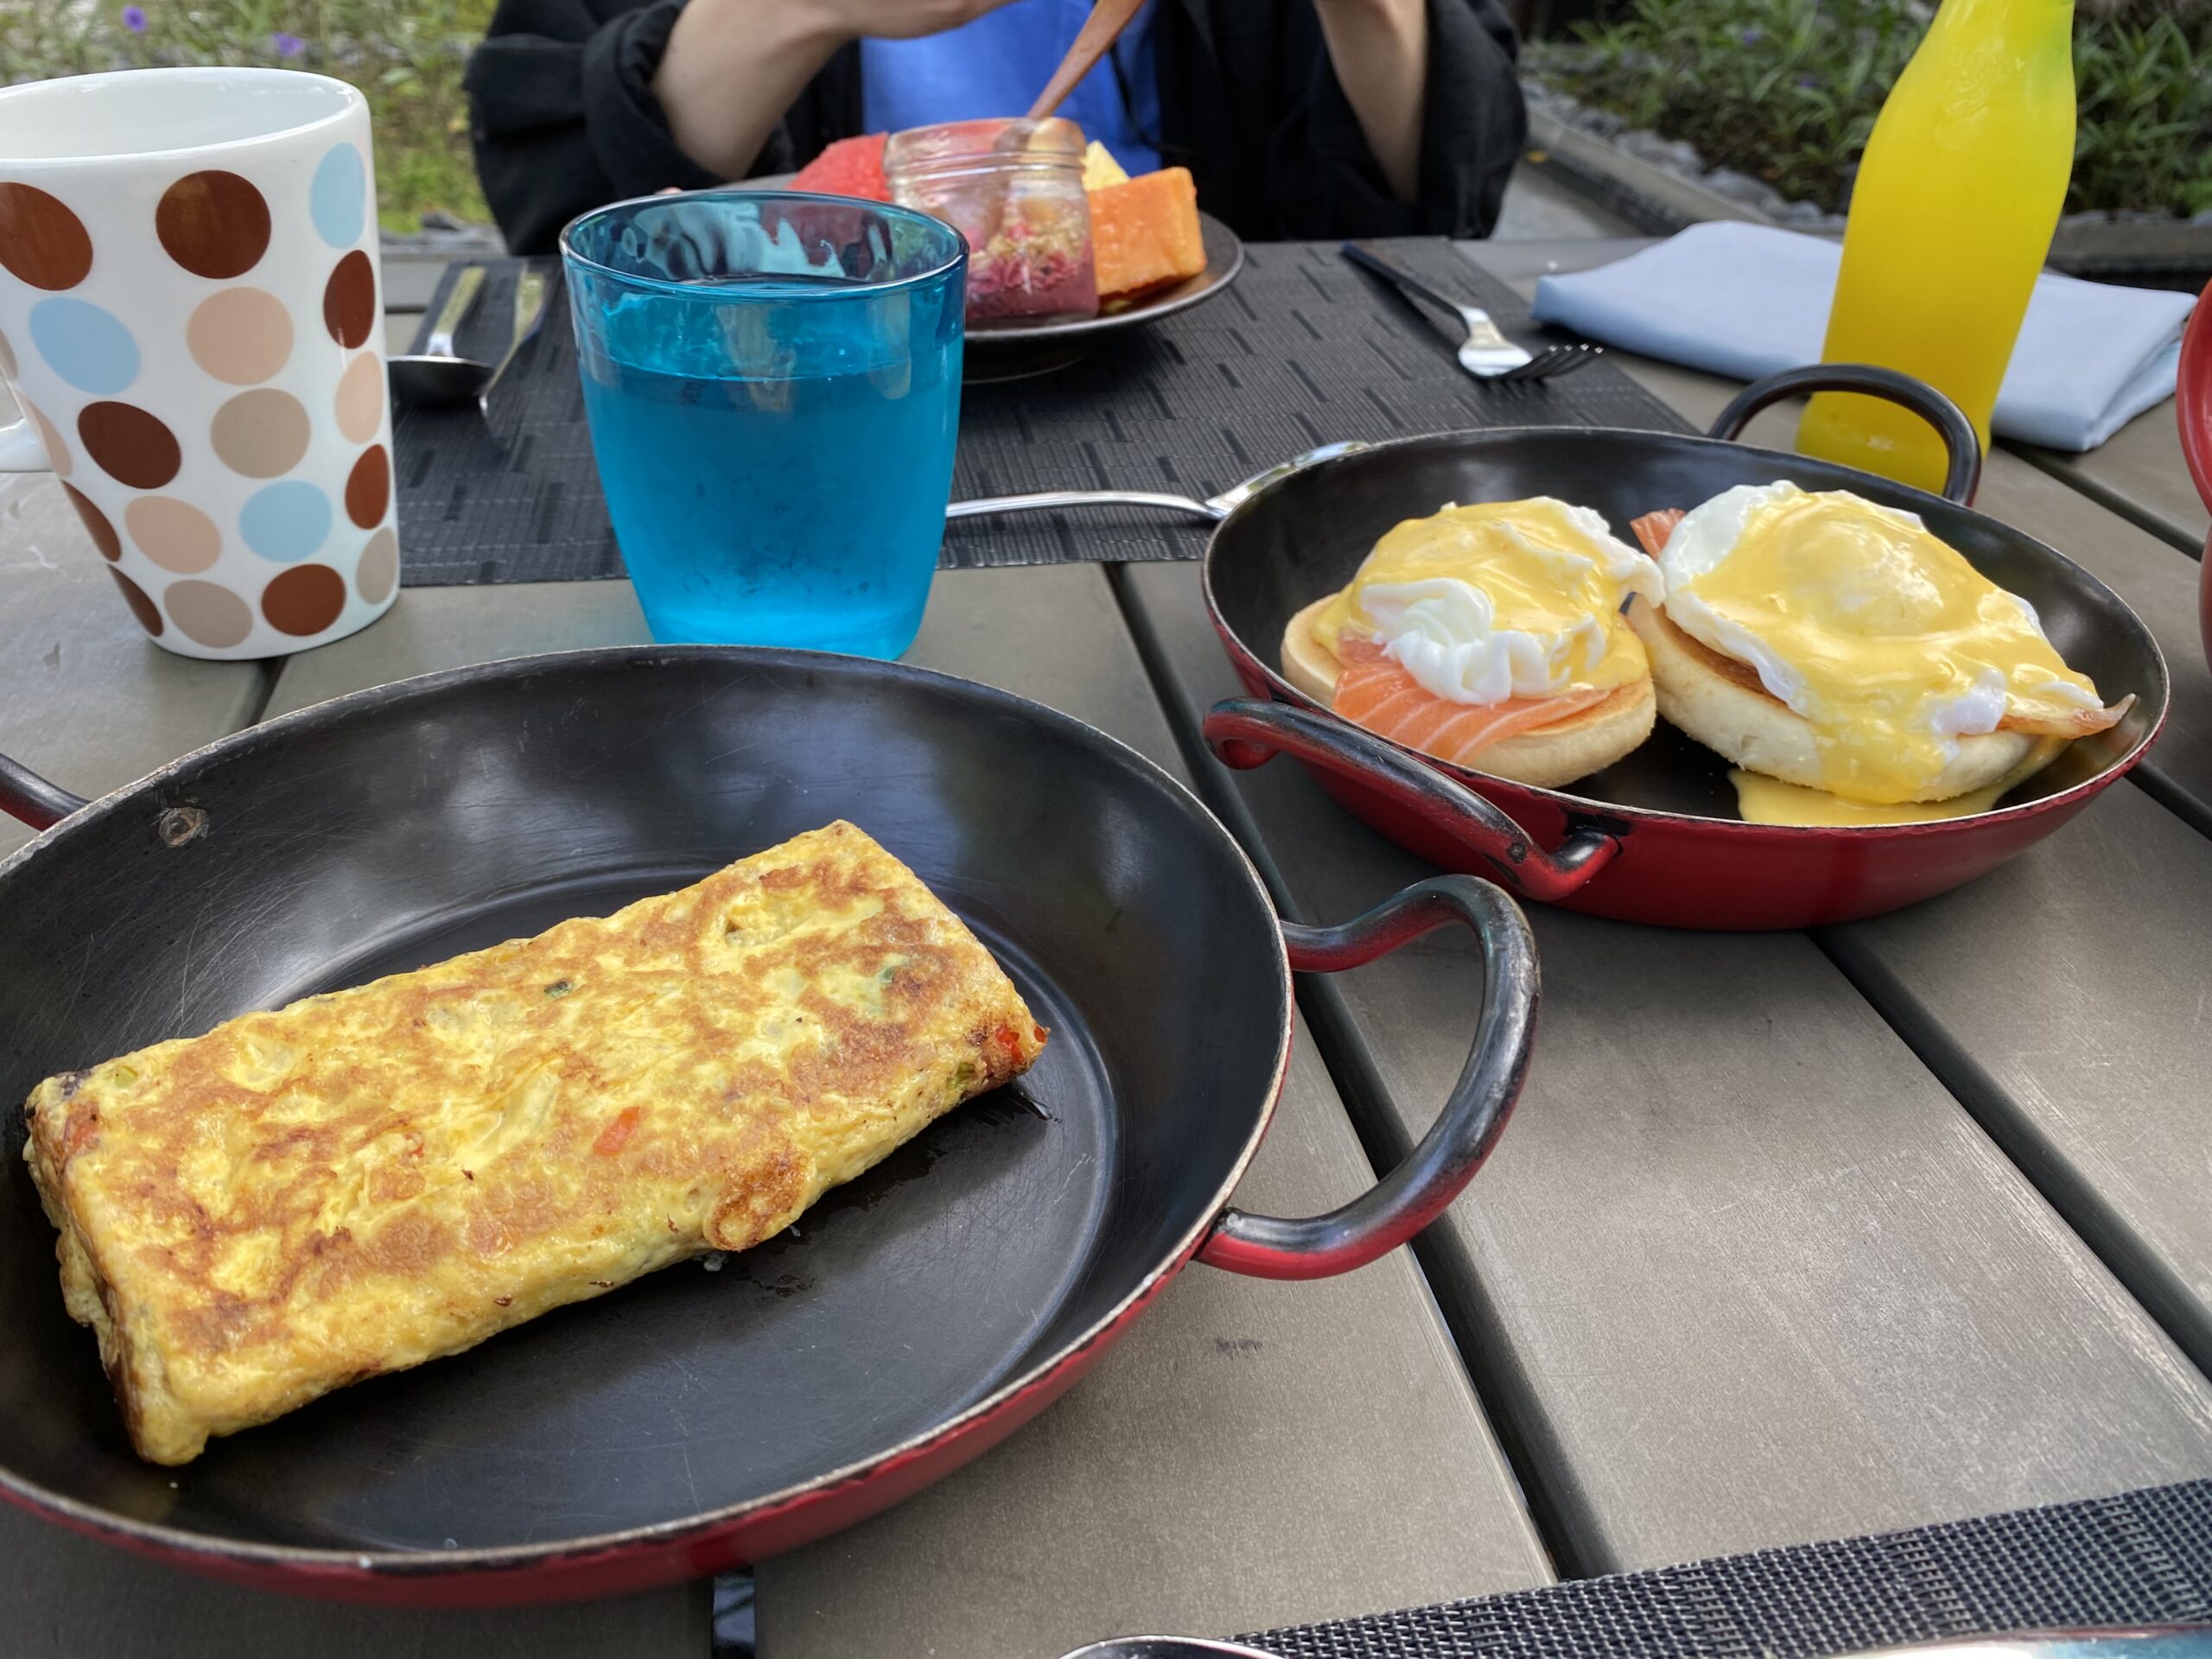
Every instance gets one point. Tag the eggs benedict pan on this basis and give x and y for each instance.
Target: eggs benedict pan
(1854, 666)
(1490, 636)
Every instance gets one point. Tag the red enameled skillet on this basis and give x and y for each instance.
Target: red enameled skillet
(914, 1318)
(2193, 408)
(1655, 838)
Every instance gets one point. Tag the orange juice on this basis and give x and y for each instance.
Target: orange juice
(1957, 197)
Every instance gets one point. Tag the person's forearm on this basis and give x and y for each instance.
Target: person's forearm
(1380, 50)
(731, 70)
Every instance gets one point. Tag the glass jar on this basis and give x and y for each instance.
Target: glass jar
(1014, 189)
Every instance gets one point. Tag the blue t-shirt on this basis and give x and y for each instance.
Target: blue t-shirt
(997, 64)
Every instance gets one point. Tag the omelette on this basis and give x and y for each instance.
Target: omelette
(378, 1177)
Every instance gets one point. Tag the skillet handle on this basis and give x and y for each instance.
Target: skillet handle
(1433, 1172)
(26, 796)
(1248, 732)
(985, 505)
(1961, 479)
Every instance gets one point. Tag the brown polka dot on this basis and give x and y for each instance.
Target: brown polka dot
(6, 358)
(262, 434)
(349, 300)
(148, 615)
(304, 600)
(130, 445)
(368, 488)
(104, 537)
(174, 534)
(360, 398)
(242, 335)
(215, 224)
(57, 452)
(208, 615)
(379, 566)
(43, 242)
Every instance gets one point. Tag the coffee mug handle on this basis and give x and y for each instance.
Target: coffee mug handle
(21, 451)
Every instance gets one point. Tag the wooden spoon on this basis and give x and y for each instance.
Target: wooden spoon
(1092, 41)
(1099, 31)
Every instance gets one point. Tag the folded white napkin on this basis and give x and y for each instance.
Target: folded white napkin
(1747, 300)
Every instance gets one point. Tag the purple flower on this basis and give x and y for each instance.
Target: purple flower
(134, 19)
(1752, 36)
(1807, 82)
(287, 45)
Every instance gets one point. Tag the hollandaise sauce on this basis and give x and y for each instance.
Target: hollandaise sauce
(1503, 599)
(1882, 637)
(1761, 800)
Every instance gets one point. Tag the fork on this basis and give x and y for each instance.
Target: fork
(1486, 353)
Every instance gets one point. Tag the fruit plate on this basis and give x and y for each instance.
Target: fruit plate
(1007, 351)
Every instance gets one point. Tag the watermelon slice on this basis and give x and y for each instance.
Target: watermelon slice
(850, 167)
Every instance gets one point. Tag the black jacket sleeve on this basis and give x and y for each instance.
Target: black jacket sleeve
(1249, 102)
(1473, 125)
(562, 117)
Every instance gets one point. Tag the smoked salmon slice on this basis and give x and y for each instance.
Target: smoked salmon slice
(1654, 528)
(2079, 723)
(1375, 692)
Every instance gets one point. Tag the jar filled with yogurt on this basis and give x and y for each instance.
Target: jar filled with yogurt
(1014, 189)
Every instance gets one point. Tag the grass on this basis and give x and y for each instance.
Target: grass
(1788, 89)
(405, 55)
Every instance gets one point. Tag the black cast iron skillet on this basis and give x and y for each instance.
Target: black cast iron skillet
(695, 1419)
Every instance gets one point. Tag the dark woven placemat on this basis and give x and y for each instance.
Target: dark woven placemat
(2142, 1557)
(1302, 349)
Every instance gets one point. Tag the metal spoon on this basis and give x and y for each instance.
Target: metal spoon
(438, 378)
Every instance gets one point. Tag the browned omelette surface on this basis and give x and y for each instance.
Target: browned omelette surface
(368, 1180)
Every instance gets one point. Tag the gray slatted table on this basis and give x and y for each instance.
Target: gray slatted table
(2140, 475)
(1793, 1235)
(2119, 1021)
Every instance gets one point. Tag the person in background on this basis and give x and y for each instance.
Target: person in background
(1308, 119)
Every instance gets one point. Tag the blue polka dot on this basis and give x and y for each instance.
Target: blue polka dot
(88, 347)
(337, 202)
(285, 521)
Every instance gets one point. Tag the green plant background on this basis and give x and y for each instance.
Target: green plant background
(1785, 90)
(1788, 89)
(406, 55)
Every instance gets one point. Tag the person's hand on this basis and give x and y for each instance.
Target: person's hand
(895, 19)
(733, 66)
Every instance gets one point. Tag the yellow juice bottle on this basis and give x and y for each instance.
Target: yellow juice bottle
(1957, 197)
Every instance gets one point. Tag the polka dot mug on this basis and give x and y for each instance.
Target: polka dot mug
(188, 320)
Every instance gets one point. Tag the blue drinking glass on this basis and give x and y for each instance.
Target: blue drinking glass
(773, 382)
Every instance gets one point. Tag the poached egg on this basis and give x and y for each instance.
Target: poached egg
(1500, 600)
(1877, 633)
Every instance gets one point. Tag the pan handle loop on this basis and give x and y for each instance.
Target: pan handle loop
(1961, 479)
(1433, 1172)
(26, 796)
(984, 507)
(1248, 732)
